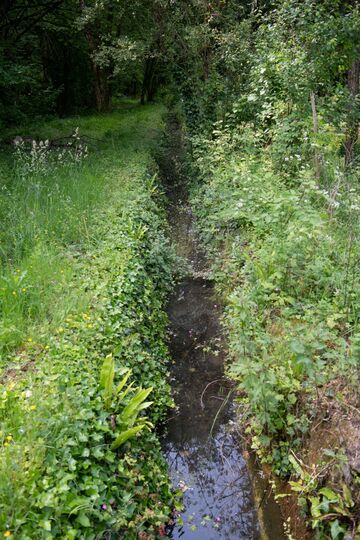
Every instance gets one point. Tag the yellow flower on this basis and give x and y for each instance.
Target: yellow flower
(6, 444)
(33, 408)
(7, 534)
(9, 438)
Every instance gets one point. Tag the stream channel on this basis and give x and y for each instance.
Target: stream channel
(225, 497)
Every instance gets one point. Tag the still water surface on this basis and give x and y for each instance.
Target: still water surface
(203, 452)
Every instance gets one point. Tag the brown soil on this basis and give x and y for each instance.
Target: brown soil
(336, 429)
(28, 364)
(291, 514)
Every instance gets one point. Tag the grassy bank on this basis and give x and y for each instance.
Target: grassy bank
(286, 250)
(85, 271)
(49, 200)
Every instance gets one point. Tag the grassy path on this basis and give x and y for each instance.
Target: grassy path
(49, 212)
(85, 270)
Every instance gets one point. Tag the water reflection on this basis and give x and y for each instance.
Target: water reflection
(203, 453)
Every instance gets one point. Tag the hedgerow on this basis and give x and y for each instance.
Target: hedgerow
(286, 253)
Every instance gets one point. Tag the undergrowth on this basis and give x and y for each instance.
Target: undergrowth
(286, 248)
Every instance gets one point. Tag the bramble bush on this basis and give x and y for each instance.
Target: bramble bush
(287, 264)
(287, 267)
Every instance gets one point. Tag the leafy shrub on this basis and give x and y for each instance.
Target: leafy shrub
(285, 257)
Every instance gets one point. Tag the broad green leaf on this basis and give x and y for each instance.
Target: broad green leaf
(347, 496)
(83, 520)
(121, 385)
(296, 465)
(296, 486)
(130, 412)
(297, 347)
(315, 507)
(336, 530)
(125, 435)
(107, 377)
(124, 393)
(329, 494)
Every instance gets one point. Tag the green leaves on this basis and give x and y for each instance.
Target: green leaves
(107, 378)
(83, 520)
(122, 383)
(131, 406)
(131, 411)
(285, 240)
(125, 435)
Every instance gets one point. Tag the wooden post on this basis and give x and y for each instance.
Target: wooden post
(353, 128)
(316, 130)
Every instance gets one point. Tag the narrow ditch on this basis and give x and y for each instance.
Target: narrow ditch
(224, 496)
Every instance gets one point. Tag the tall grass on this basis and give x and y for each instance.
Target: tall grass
(48, 200)
(84, 279)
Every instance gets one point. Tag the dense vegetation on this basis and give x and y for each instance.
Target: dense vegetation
(83, 280)
(268, 95)
(273, 134)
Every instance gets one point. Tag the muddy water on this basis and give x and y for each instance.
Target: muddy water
(204, 459)
(224, 496)
(204, 453)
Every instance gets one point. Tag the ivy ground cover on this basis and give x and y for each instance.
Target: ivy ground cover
(86, 264)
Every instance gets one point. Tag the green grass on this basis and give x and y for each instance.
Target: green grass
(46, 218)
(90, 283)
(91, 125)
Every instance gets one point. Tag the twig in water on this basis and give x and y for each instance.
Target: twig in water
(206, 387)
(220, 409)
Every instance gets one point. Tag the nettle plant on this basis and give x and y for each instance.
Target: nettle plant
(294, 279)
(330, 509)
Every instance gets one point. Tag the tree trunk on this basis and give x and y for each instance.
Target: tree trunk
(147, 90)
(102, 94)
(152, 87)
(101, 86)
(353, 129)
(144, 84)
